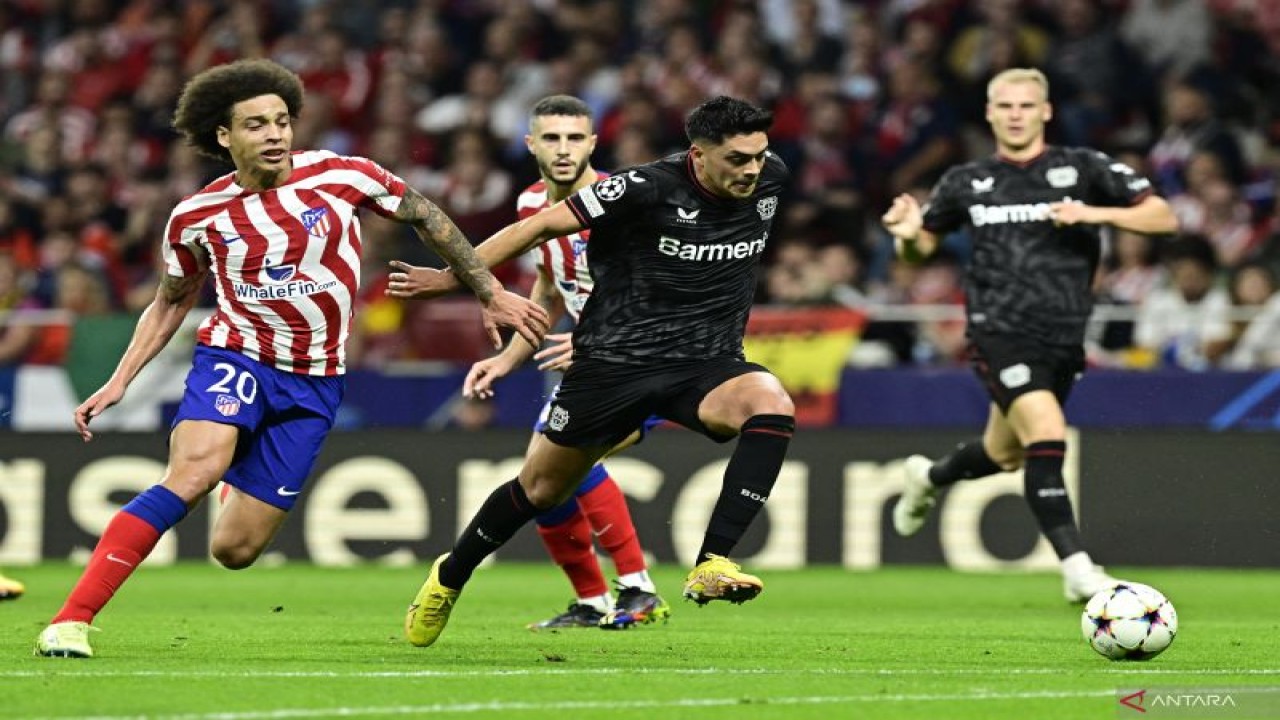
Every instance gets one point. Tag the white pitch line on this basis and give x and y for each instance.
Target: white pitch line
(424, 710)
(62, 671)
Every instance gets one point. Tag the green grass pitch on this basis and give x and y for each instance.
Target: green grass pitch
(195, 641)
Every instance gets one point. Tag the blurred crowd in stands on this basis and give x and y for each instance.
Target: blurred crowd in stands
(870, 98)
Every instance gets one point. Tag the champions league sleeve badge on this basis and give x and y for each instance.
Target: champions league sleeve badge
(611, 188)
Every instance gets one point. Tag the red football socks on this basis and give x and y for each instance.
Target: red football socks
(126, 541)
(606, 509)
(570, 546)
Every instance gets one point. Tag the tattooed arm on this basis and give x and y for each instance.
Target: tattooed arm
(499, 307)
(509, 242)
(162, 318)
(439, 233)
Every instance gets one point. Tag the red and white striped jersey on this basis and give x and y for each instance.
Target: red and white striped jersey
(285, 261)
(565, 258)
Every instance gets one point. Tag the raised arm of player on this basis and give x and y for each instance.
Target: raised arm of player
(174, 299)
(499, 307)
(905, 221)
(1151, 215)
(512, 241)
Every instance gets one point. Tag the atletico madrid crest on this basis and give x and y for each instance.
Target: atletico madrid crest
(316, 221)
(227, 405)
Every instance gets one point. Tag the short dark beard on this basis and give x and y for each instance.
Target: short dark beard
(545, 171)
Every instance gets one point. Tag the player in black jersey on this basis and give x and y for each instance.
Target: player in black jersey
(675, 250)
(561, 139)
(1034, 212)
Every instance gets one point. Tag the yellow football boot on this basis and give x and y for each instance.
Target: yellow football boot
(718, 578)
(430, 610)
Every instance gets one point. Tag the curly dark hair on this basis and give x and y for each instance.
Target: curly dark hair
(207, 99)
(722, 117)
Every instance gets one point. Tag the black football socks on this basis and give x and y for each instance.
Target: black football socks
(506, 510)
(1046, 493)
(748, 480)
(969, 461)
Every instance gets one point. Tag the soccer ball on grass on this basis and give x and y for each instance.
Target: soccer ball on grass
(1130, 621)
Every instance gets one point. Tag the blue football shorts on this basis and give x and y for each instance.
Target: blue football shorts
(283, 419)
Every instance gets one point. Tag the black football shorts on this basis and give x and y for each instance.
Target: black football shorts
(600, 403)
(1011, 366)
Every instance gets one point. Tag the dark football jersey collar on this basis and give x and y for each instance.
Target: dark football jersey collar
(1024, 163)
